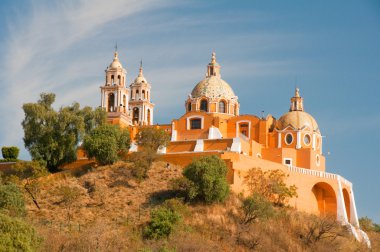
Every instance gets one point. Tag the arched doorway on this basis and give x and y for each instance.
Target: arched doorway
(148, 115)
(111, 102)
(136, 113)
(347, 204)
(326, 199)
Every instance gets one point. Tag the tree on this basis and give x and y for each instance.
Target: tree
(152, 138)
(208, 177)
(10, 153)
(69, 195)
(53, 136)
(255, 207)
(16, 235)
(107, 143)
(12, 200)
(270, 184)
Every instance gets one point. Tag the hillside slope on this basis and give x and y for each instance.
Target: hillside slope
(111, 208)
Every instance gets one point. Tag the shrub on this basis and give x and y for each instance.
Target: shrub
(256, 207)
(10, 153)
(16, 235)
(142, 161)
(69, 195)
(162, 223)
(183, 187)
(29, 169)
(12, 200)
(208, 177)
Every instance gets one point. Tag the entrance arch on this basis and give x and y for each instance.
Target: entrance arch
(347, 202)
(326, 199)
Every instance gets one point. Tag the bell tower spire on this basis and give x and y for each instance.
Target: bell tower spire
(213, 68)
(296, 102)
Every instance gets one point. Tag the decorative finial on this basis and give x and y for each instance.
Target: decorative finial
(116, 47)
(297, 94)
(141, 69)
(213, 58)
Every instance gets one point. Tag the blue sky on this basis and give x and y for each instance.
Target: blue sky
(329, 49)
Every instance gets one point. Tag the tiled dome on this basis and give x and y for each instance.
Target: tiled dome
(213, 87)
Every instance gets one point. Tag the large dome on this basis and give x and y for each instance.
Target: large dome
(213, 87)
(298, 120)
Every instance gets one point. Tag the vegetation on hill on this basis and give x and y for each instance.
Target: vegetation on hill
(108, 209)
(10, 154)
(52, 136)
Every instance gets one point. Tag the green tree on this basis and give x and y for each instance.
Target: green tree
(256, 207)
(16, 235)
(152, 138)
(107, 143)
(10, 153)
(53, 136)
(208, 177)
(11, 200)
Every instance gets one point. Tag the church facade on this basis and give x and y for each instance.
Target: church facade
(212, 125)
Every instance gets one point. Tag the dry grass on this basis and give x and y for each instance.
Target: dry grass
(113, 207)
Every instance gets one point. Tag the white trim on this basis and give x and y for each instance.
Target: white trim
(341, 212)
(298, 145)
(188, 126)
(279, 140)
(199, 147)
(249, 128)
(314, 141)
(286, 142)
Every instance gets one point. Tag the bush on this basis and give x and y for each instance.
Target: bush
(152, 138)
(208, 177)
(271, 184)
(256, 207)
(16, 235)
(107, 143)
(29, 169)
(142, 161)
(12, 200)
(366, 224)
(162, 223)
(10, 153)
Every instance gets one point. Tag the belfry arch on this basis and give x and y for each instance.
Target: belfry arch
(326, 199)
(111, 102)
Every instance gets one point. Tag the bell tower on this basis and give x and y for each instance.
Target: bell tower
(140, 104)
(114, 94)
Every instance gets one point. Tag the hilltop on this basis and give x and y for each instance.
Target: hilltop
(112, 208)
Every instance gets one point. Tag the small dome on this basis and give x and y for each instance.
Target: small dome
(115, 63)
(140, 78)
(213, 87)
(298, 120)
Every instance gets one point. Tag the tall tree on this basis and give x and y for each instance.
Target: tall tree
(107, 143)
(53, 136)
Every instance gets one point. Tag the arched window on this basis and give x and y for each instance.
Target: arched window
(148, 115)
(112, 79)
(204, 105)
(136, 113)
(222, 107)
(143, 94)
(189, 107)
(147, 95)
(124, 102)
(119, 79)
(137, 95)
(111, 102)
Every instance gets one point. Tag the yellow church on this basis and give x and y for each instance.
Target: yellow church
(212, 125)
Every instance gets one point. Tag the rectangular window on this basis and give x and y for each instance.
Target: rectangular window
(288, 161)
(196, 123)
